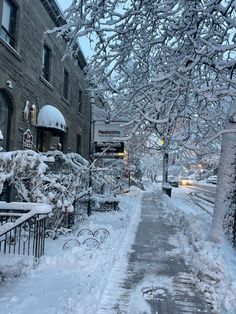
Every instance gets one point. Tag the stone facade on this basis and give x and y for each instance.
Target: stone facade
(21, 80)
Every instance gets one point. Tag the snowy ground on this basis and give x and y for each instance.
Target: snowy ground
(75, 280)
(84, 280)
(213, 264)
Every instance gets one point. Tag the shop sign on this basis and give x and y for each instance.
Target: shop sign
(107, 132)
(116, 147)
(109, 150)
(27, 140)
(109, 155)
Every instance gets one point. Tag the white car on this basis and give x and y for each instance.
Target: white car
(212, 180)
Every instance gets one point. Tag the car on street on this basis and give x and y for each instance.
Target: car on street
(212, 180)
(185, 181)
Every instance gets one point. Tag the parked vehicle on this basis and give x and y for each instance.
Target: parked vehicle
(212, 180)
(185, 181)
(173, 181)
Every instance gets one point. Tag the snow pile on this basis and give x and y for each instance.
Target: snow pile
(12, 267)
(212, 264)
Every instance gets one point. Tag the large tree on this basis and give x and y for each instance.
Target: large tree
(172, 63)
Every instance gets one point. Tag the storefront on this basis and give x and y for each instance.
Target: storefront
(51, 129)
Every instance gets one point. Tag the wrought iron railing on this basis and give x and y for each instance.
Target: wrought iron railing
(22, 228)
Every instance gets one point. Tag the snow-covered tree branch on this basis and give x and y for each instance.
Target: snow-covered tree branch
(171, 62)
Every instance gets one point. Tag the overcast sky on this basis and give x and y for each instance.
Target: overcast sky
(64, 3)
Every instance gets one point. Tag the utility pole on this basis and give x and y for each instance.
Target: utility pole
(92, 102)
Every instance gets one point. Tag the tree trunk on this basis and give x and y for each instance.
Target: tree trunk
(226, 185)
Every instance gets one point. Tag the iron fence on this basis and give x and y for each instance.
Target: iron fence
(22, 235)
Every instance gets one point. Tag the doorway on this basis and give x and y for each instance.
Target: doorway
(5, 121)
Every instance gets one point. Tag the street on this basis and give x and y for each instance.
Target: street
(202, 191)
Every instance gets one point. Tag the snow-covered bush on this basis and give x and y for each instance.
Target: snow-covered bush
(54, 178)
(24, 170)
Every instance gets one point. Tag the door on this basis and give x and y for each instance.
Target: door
(5, 120)
(5, 124)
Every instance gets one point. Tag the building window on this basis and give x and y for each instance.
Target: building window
(80, 100)
(66, 84)
(46, 62)
(8, 28)
(78, 145)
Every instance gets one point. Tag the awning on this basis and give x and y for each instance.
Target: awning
(50, 117)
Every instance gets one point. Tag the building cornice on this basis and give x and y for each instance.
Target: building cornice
(54, 12)
(56, 15)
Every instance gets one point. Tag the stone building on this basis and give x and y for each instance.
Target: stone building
(44, 99)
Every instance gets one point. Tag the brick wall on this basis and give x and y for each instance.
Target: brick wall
(23, 67)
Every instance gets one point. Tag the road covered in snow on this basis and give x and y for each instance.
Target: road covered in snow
(202, 195)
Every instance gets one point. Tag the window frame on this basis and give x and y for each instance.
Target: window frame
(46, 66)
(79, 144)
(66, 84)
(80, 100)
(10, 35)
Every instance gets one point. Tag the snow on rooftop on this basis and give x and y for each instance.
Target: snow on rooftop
(50, 117)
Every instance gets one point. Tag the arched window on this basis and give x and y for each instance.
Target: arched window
(5, 119)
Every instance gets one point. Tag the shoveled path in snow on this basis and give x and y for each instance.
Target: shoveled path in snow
(157, 282)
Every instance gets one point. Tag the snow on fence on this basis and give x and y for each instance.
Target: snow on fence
(22, 228)
(102, 202)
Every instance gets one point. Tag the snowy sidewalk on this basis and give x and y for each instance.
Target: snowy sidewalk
(138, 269)
(73, 281)
(157, 282)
